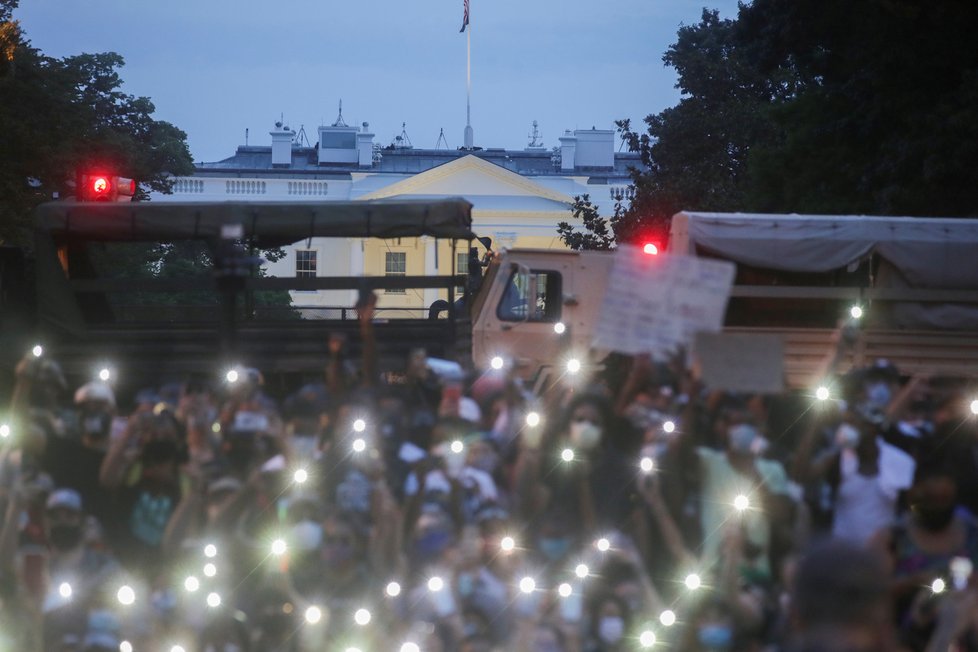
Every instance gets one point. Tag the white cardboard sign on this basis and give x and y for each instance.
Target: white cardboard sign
(653, 304)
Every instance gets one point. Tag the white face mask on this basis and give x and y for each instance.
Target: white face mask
(746, 439)
(611, 629)
(878, 395)
(584, 435)
(847, 435)
(307, 535)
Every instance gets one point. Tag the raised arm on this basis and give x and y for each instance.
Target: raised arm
(368, 341)
(10, 531)
(123, 453)
(662, 518)
(185, 520)
(806, 465)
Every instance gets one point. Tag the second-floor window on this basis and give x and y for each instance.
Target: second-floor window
(395, 264)
(305, 263)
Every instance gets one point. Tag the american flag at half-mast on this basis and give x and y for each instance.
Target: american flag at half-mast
(465, 16)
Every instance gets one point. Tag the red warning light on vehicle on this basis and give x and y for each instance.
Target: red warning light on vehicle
(100, 185)
(103, 187)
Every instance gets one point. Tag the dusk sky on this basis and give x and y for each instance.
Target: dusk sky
(217, 67)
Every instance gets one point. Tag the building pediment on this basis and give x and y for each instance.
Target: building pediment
(469, 176)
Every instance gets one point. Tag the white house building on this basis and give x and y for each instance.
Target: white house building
(518, 196)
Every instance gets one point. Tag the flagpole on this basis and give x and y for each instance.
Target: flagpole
(469, 136)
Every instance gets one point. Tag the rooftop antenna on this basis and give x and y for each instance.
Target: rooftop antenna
(442, 141)
(246, 136)
(402, 141)
(534, 136)
(339, 119)
(300, 138)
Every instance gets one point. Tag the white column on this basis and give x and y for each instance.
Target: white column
(356, 265)
(430, 269)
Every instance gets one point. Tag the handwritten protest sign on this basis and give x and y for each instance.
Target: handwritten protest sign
(655, 303)
(741, 362)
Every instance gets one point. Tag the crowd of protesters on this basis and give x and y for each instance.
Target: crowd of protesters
(628, 507)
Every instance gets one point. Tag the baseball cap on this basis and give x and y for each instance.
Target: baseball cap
(223, 484)
(65, 499)
(95, 392)
(468, 410)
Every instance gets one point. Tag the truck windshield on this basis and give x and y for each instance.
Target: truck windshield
(531, 296)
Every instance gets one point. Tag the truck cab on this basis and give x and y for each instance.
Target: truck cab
(537, 307)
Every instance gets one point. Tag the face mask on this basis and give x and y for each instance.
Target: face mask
(744, 439)
(337, 555)
(164, 602)
(240, 453)
(485, 463)
(585, 435)
(847, 436)
(466, 585)
(871, 412)
(307, 535)
(431, 544)
(65, 537)
(554, 548)
(715, 637)
(878, 395)
(933, 519)
(97, 425)
(305, 445)
(611, 629)
(634, 603)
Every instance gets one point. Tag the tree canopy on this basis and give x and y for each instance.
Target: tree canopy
(812, 106)
(61, 115)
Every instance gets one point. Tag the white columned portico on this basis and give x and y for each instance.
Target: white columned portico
(356, 264)
(430, 269)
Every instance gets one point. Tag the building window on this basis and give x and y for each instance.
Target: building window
(395, 264)
(305, 263)
(461, 267)
(339, 140)
(531, 297)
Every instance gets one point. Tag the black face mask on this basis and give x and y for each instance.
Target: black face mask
(933, 519)
(240, 452)
(65, 537)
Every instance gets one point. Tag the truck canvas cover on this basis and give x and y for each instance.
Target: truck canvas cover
(928, 251)
(262, 224)
(268, 224)
(915, 252)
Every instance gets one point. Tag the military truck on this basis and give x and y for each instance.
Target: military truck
(915, 280)
(89, 310)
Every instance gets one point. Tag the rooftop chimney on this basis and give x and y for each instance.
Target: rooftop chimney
(365, 146)
(568, 150)
(595, 148)
(281, 146)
